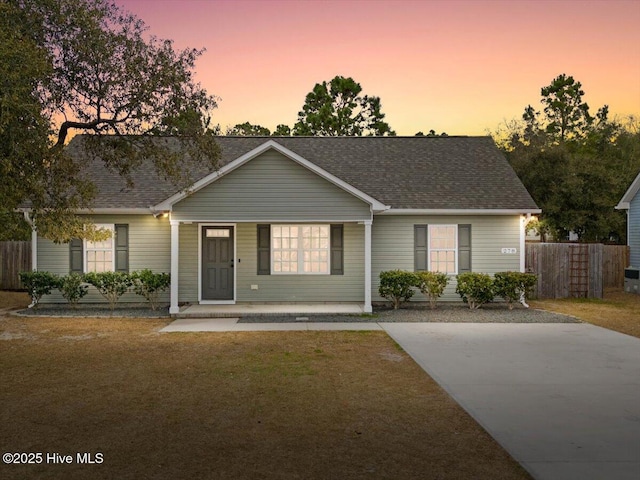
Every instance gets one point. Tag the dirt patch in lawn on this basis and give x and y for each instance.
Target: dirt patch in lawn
(616, 311)
(13, 300)
(229, 405)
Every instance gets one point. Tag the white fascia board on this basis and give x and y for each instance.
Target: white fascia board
(631, 192)
(115, 211)
(453, 211)
(107, 211)
(271, 144)
(285, 221)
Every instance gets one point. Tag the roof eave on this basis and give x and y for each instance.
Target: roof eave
(629, 194)
(462, 211)
(104, 211)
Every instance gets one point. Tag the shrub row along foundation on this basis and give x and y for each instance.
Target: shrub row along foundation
(475, 289)
(111, 285)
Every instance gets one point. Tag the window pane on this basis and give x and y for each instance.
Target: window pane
(217, 233)
(99, 254)
(443, 248)
(308, 243)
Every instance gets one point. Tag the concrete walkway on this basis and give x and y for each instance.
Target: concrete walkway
(240, 309)
(232, 325)
(562, 399)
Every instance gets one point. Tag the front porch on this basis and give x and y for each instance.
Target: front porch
(284, 309)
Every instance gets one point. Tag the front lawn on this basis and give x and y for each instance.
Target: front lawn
(263, 405)
(617, 311)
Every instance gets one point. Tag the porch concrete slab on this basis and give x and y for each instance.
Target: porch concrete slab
(562, 399)
(271, 309)
(232, 325)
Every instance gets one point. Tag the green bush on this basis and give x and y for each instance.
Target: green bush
(476, 289)
(111, 285)
(39, 284)
(432, 285)
(149, 285)
(73, 288)
(397, 286)
(513, 286)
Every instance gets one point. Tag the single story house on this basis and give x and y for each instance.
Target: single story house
(306, 219)
(631, 203)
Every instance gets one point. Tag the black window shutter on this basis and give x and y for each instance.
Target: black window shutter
(464, 248)
(76, 262)
(337, 249)
(122, 248)
(420, 247)
(264, 249)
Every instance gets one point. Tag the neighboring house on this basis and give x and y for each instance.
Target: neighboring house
(307, 219)
(631, 203)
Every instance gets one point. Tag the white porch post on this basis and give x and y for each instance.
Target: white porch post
(175, 244)
(367, 267)
(523, 235)
(34, 249)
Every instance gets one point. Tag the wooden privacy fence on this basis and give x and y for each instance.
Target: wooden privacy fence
(615, 258)
(15, 257)
(576, 270)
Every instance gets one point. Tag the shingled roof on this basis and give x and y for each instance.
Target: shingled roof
(427, 173)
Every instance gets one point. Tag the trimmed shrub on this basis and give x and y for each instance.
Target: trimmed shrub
(397, 286)
(476, 289)
(432, 285)
(73, 288)
(111, 285)
(149, 285)
(39, 284)
(513, 286)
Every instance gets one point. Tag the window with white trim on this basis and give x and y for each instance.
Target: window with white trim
(443, 248)
(300, 249)
(99, 256)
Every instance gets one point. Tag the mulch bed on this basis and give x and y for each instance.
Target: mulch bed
(445, 312)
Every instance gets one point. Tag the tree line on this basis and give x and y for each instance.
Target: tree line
(575, 165)
(89, 66)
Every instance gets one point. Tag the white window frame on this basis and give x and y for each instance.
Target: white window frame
(86, 248)
(300, 249)
(430, 249)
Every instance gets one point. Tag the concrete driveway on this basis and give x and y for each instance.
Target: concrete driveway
(563, 399)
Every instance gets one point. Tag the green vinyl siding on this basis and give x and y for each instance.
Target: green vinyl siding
(188, 263)
(149, 247)
(393, 245)
(271, 188)
(348, 287)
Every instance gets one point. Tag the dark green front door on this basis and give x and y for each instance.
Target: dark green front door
(217, 263)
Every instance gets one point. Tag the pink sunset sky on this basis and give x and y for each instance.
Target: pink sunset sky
(462, 67)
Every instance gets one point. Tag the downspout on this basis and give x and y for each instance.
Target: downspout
(34, 246)
(523, 234)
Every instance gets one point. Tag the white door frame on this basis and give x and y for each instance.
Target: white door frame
(235, 232)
